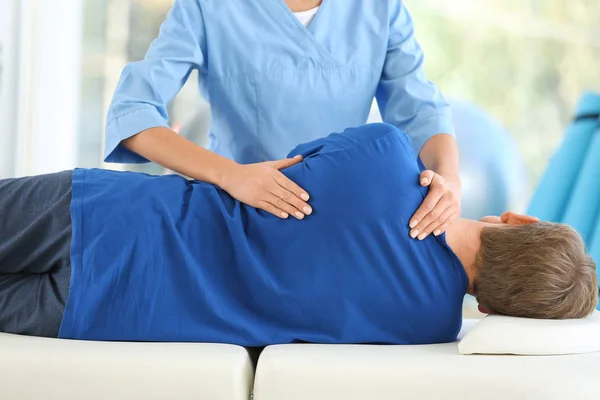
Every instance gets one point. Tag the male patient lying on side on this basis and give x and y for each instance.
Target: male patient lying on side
(102, 255)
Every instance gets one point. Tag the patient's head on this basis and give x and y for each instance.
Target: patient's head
(535, 270)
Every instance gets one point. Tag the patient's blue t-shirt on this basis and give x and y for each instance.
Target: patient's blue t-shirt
(167, 259)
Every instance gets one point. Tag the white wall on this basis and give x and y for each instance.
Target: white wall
(48, 85)
(8, 86)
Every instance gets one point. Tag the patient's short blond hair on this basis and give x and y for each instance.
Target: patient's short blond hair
(538, 270)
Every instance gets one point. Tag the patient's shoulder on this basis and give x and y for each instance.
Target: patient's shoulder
(368, 133)
(353, 138)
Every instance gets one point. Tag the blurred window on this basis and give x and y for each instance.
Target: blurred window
(524, 61)
(117, 32)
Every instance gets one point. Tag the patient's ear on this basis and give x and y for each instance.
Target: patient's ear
(512, 218)
(484, 310)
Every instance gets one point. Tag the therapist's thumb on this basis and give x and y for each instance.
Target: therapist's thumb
(426, 177)
(286, 162)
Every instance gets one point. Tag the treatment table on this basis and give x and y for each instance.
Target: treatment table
(40, 368)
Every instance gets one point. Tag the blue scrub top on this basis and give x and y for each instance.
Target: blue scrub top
(166, 259)
(273, 83)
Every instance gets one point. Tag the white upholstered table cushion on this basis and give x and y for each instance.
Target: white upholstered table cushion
(41, 368)
(323, 372)
(499, 334)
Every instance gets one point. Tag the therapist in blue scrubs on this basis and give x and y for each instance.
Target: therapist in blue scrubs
(277, 73)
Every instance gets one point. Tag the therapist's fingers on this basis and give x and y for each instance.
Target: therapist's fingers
(272, 209)
(437, 213)
(291, 187)
(295, 204)
(285, 163)
(440, 225)
(426, 177)
(429, 204)
(444, 227)
(286, 189)
(281, 204)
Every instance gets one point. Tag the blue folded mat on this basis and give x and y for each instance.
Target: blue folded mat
(569, 191)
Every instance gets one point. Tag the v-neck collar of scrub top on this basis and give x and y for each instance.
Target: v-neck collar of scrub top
(311, 32)
(306, 17)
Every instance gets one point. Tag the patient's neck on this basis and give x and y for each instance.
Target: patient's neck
(463, 237)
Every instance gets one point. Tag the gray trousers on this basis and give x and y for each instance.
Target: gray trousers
(35, 244)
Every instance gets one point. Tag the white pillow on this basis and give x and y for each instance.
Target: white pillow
(498, 334)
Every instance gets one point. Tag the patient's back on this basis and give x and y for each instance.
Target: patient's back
(196, 265)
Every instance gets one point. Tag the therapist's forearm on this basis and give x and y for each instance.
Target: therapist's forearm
(440, 154)
(165, 147)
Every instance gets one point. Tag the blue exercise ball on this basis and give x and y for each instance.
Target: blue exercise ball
(492, 170)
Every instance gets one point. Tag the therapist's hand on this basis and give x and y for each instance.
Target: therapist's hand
(263, 186)
(440, 207)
